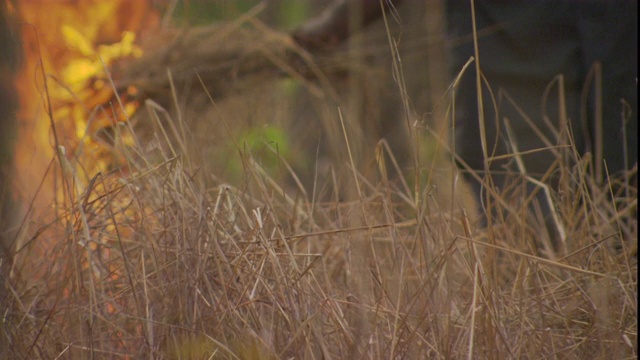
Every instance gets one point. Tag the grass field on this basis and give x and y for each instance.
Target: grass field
(356, 256)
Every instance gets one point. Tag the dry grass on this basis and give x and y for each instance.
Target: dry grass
(159, 265)
(170, 262)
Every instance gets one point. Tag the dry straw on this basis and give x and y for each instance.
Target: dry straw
(170, 262)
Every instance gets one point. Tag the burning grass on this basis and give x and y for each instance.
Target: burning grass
(167, 261)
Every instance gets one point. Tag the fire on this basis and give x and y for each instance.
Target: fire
(66, 97)
(68, 48)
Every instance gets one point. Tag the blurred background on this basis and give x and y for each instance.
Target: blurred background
(280, 121)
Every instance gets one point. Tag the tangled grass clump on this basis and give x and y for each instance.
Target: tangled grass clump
(159, 265)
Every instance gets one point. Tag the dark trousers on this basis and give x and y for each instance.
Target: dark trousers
(523, 47)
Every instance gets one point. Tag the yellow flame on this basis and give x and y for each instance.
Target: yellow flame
(68, 47)
(74, 42)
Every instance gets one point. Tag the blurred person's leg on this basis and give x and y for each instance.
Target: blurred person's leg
(522, 48)
(609, 36)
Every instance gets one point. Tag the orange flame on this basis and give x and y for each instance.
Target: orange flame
(68, 46)
(64, 89)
